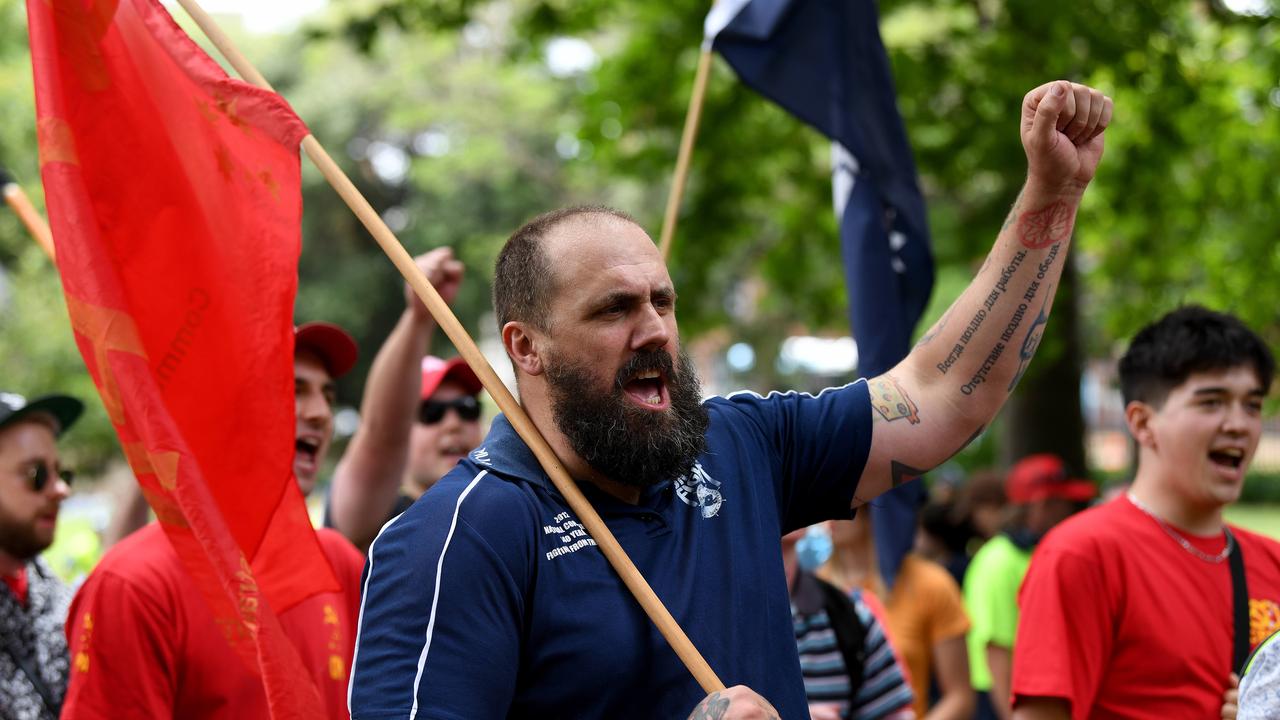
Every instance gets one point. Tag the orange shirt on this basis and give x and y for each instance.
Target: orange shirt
(924, 608)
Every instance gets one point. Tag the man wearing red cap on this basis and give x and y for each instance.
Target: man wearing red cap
(1042, 495)
(418, 417)
(144, 643)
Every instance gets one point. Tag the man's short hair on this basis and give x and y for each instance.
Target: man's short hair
(523, 282)
(1189, 340)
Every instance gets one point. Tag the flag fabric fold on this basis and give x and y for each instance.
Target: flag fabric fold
(824, 62)
(174, 198)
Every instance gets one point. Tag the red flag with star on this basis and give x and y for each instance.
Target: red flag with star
(174, 197)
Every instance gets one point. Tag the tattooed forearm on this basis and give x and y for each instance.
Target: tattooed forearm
(1031, 342)
(980, 376)
(1050, 224)
(891, 401)
(1013, 213)
(988, 304)
(1041, 271)
(963, 342)
(713, 707)
(937, 328)
(1015, 321)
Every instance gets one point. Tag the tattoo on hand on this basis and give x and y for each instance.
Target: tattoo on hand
(1031, 342)
(1041, 228)
(712, 708)
(891, 401)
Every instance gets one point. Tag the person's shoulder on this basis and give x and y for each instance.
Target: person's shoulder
(338, 548)
(142, 570)
(749, 400)
(476, 490)
(1101, 526)
(495, 505)
(142, 556)
(1250, 540)
(927, 575)
(746, 410)
(991, 558)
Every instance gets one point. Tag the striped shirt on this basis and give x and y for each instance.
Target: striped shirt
(883, 691)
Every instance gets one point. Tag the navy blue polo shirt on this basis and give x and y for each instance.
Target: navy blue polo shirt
(487, 599)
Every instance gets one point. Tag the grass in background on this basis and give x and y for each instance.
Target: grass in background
(1263, 519)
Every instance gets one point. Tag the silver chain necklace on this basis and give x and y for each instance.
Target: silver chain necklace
(1185, 543)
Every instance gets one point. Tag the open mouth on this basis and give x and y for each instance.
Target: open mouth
(307, 449)
(647, 388)
(1231, 458)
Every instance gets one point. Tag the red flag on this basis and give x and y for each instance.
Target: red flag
(174, 195)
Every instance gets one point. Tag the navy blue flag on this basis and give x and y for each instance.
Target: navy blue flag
(823, 61)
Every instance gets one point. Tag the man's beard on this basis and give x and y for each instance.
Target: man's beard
(18, 540)
(626, 443)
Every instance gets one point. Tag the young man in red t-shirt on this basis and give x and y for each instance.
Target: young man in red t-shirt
(144, 643)
(1126, 611)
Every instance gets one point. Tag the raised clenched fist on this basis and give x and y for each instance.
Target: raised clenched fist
(1062, 129)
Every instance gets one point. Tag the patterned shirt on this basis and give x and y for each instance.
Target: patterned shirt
(1260, 687)
(883, 691)
(33, 633)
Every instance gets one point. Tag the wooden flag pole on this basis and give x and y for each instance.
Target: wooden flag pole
(686, 151)
(448, 322)
(21, 205)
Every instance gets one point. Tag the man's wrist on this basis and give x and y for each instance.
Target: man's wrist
(420, 320)
(1070, 191)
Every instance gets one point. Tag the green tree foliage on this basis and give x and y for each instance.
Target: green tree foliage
(1183, 210)
(448, 115)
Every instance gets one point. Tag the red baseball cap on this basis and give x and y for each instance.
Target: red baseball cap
(436, 371)
(1037, 477)
(334, 345)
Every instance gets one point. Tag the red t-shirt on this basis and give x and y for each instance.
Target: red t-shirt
(144, 643)
(1121, 621)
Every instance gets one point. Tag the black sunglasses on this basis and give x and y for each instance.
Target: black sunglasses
(432, 411)
(38, 476)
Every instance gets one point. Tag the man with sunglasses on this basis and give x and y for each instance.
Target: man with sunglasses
(418, 418)
(33, 602)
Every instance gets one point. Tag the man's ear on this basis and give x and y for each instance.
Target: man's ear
(522, 345)
(1139, 416)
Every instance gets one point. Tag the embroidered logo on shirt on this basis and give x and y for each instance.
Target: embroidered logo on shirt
(1264, 619)
(700, 492)
(81, 661)
(573, 537)
(337, 666)
(481, 456)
